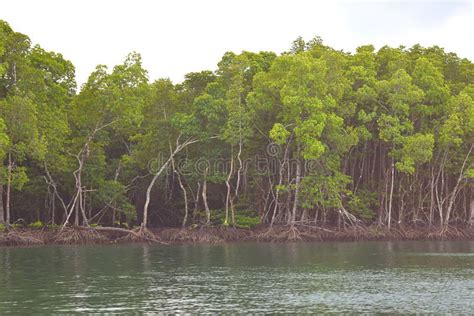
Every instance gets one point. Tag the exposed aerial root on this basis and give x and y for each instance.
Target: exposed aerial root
(79, 235)
(293, 234)
(194, 235)
(266, 235)
(449, 232)
(235, 234)
(141, 234)
(280, 234)
(219, 234)
(15, 238)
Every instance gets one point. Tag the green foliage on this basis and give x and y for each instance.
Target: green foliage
(279, 134)
(417, 149)
(36, 225)
(470, 173)
(362, 204)
(324, 189)
(248, 222)
(244, 219)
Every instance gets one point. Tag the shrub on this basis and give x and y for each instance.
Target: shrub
(243, 221)
(243, 218)
(37, 224)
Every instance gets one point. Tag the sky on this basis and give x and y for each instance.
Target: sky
(175, 37)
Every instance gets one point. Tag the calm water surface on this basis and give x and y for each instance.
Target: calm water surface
(400, 277)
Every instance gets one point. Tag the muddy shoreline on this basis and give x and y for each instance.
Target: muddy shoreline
(215, 235)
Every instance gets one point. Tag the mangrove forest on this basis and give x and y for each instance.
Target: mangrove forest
(311, 139)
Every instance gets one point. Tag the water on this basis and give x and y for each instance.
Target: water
(402, 277)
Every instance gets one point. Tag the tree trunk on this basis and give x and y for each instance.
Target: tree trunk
(456, 190)
(196, 200)
(471, 217)
(178, 148)
(117, 173)
(113, 218)
(53, 209)
(228, 199)
(297, 189)
(148, 192)
(237, 185)
(185, 195)
(76, 220)
(204, 199)
(49, 180)
(392, 170)
(432, 199)
(2, 209)
(280, 181)
(9, 185)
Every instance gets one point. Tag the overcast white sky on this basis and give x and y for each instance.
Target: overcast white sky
(179, 36)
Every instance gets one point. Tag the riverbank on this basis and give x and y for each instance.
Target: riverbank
(212, 235)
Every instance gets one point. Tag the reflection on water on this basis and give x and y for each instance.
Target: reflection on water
(248, 277)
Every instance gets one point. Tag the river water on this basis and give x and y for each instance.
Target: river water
(401, 277)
